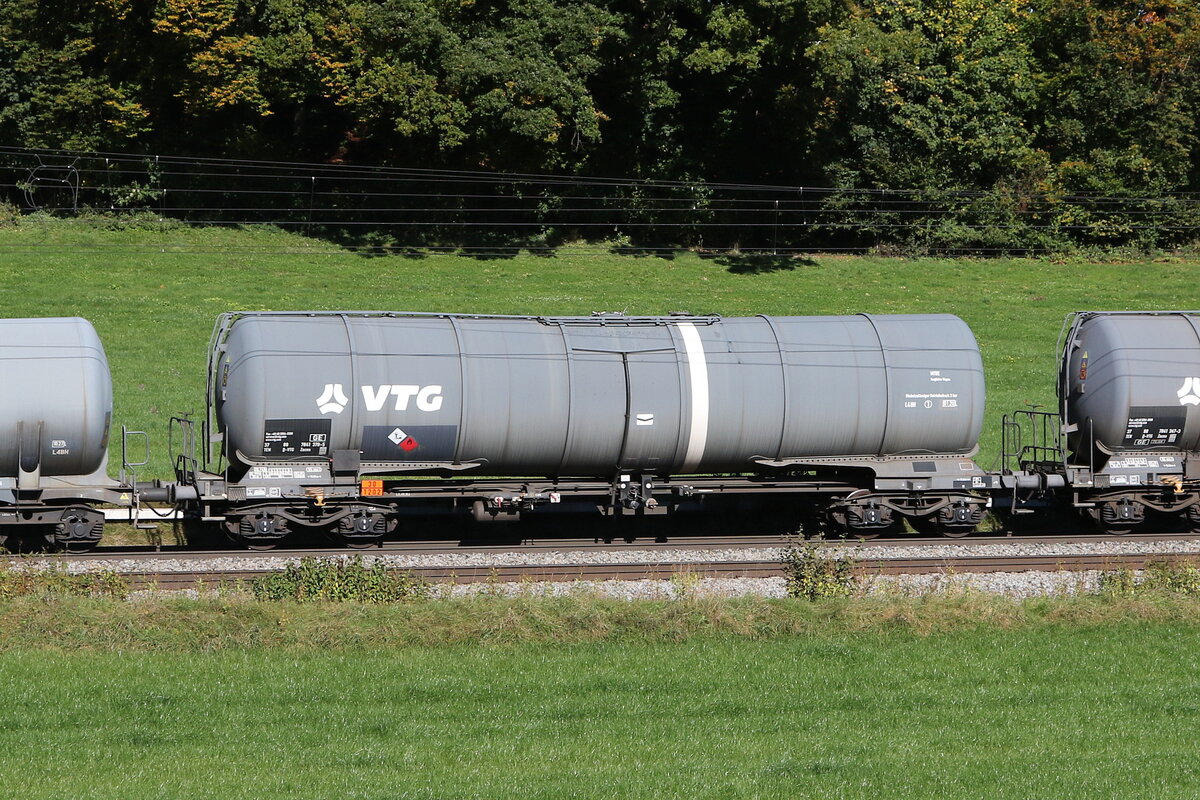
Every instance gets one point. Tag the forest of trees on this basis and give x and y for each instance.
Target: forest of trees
(1013, 99)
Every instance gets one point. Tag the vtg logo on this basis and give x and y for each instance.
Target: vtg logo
(333, 399)
(428, 398)
(1189, 393)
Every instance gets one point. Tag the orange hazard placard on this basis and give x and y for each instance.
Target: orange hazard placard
(372, 488)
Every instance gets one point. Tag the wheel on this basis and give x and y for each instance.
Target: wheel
(261, 532)
(1116, 518)
(78, 530)
(362, 531)
(952, 521)
(851, 523)
(960, 518)
(1193, 518)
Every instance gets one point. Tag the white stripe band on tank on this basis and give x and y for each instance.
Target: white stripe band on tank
(698, 375)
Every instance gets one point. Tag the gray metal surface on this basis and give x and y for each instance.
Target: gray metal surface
(55, 399)
(1132, 382)
(592, 395)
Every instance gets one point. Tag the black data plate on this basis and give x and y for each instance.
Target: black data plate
(1151, 427)
(289, 438)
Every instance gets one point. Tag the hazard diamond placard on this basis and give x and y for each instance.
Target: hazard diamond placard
(411, 443)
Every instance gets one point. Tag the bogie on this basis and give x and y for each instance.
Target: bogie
(261, 531)
(1120, 516)
(363, 529)
(954, 519)
(78, 530)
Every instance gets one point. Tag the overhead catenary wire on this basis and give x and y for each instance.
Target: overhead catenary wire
(434, 175)
(455, 209)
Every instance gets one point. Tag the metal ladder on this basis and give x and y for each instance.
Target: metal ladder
(129, 478)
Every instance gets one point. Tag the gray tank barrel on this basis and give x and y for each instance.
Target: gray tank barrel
(585, 396)
(1131, 382)
(56, 406)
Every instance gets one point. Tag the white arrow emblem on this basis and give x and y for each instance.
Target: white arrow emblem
(1189, 393)
(333, 399)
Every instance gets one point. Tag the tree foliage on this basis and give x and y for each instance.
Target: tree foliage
(1014, 99)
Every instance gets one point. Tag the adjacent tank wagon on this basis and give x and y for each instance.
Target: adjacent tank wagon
(55, 416)
(1128, 422)
(344, 420)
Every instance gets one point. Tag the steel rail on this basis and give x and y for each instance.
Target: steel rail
(665, 570)
(594, 544)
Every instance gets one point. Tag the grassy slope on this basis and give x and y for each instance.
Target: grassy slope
(153, 296)
(1052, 712)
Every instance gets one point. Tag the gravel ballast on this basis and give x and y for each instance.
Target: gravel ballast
(1014, 584)
(485, 559)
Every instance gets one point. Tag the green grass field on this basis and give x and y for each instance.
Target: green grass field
(154, 294)
(1049, 711)
(112, 699)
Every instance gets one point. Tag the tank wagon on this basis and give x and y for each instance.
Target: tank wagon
(354, 422)
(55, 416)
(1125, 438)
(348, 422)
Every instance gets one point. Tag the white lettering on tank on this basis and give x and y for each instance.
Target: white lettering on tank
(374, 401)
(404, 392)
(430, 398)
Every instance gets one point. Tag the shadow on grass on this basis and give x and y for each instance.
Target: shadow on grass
(504, 245)
(667, 254)
(484, 246)
(760, 263)
(386, 251)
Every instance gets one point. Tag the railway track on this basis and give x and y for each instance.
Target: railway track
(186, 579)
(173, 568)
(590, 544)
